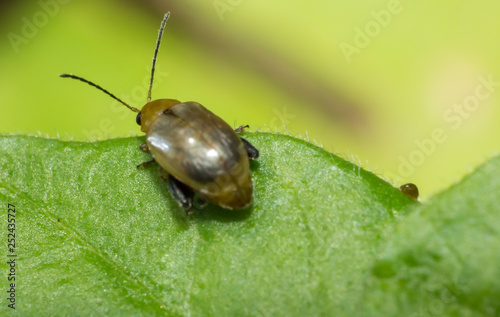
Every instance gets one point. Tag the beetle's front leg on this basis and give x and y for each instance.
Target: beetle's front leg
(144, 147)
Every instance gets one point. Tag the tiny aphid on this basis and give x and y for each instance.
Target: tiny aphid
(200, 152)
(410, 190)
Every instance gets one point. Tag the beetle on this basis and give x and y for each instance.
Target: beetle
(199, 151)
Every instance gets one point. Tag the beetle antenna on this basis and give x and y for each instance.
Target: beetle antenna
(101, 89)
(160, 33)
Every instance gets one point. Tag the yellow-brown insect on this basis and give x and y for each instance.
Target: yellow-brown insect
(200, 152)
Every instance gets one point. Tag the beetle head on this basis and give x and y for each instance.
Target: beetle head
(153, 110)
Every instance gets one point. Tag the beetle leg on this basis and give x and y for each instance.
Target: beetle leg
(182, 193)
(241, 128)
(144, 164)
(144, 148)
(252, 151)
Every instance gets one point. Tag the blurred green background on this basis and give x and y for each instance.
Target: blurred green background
(407, 89)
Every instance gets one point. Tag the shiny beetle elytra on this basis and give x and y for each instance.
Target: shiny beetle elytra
(200, 152)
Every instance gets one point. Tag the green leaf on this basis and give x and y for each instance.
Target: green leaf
(444, 258)
(97, 236)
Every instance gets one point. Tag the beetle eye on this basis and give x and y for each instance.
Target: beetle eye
(138, 118)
